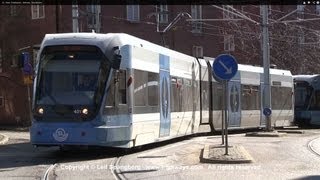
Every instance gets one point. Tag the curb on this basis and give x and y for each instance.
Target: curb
(292, 131)
(216, 154)
(18, 129)
(265, 134)
(4, 140)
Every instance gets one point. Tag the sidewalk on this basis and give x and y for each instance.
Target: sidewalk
(3, 139)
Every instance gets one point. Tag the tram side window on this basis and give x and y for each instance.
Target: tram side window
(122, 86)
(176, 86)
(250, 99)
(196, 95)
(120, 78)
(302, 95)
(153, 89)
(205, 95)
(140, 87)
(315, 102)
(110, 92)
(217, 96)
(172, 96)
(187, 104)
(288, 95)
(281, 97)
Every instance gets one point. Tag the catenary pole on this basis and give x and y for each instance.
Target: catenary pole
(266, 64)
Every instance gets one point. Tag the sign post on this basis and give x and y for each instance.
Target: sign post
(27, 70)
(225, 68)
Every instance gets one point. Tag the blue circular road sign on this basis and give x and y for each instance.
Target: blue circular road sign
(224, 67)
(267, 111)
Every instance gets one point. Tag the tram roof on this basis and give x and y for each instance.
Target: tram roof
(257, 69)
(304, 77)
(250, 68)
(108, 40)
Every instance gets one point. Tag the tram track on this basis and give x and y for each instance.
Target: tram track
(47, 173)
(311, 147)
(115, 170)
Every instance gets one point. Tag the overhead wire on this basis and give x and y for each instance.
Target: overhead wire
(208, 27)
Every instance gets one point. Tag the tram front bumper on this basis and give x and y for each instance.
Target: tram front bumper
(45, 134)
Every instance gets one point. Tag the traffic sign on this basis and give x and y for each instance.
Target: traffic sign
(224, 67)
(25, 63)
(27, 79)
(267, 111)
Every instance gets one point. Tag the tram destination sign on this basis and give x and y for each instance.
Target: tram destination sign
(224, 67)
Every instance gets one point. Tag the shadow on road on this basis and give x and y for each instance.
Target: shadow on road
(23, 154)
(315, 177)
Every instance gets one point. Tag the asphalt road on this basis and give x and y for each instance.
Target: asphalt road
(288, 157)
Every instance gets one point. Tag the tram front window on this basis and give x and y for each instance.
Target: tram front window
(302, 97)
(68, 88)
(71, 78)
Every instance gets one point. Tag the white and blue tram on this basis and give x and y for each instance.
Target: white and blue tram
(307, 99)
(121, 91)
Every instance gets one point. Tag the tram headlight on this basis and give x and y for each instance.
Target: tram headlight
(85, 111)
(40, 110)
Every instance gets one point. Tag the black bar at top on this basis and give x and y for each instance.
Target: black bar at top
(169, 2)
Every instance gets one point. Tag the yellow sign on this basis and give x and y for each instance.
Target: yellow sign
(27, 79)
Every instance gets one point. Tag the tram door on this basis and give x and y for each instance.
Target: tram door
(164, 93)
(234, 103)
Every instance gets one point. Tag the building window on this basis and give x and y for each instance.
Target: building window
(133, 12)
(318, 9)
(300, 8)
(0, 60)
(196, 13)
(13, 10)
(300, 11)
(37, 11)
(242, 8)
(270, 9)
(228, 42)
(227, 12)
(197, 51)
(301, 37)
(93, 12)
(14, 61)
(1, 101)
(163, 13)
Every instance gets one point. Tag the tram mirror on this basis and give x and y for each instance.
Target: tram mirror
(116, 59)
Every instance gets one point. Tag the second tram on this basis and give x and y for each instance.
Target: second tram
(307, 99)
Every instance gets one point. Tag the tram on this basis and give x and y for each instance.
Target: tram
(307, 99)
(118, 90)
